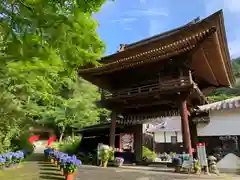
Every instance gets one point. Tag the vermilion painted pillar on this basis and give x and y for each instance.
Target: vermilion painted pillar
(185, 128)
(112, 130)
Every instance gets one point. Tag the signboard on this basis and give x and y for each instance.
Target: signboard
(187, 161)
(202, 155)
(126, 141)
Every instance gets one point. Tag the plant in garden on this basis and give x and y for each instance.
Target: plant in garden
(71, 164)
(43, 43)
(69, 145)
(148, 155)
(2, 162)
(177, 163)
(17, 157)
(118, 161)
(68, 163)
(172, 154)
(106, 153)
(11, 158)
(8, 158)
(165, 157)
(197, 167)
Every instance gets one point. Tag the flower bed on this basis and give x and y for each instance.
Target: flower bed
(11, 159)
(67, 164)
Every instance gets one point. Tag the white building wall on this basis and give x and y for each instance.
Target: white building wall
(146, 126)
(159, 137)
(221, 123)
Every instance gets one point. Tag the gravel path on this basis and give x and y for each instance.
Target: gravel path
(97, 173)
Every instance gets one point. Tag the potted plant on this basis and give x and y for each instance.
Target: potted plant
(118, 161)
(51, 156)
(197, 167)
(70, 167)
(8, 159)
(106, 153)
(148, 155)
(164, 157)
(47, 154)
(173, 154)
(17, 158)
(177, 163)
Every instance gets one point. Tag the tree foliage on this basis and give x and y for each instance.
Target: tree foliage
(225, 93)
(42, 45)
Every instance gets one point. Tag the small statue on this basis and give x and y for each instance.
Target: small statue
(213, 165)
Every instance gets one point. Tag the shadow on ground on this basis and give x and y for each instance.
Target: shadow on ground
(35, 157)
(49, 171)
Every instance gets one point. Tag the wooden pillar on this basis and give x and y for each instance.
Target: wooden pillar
(193, 132)
(185, 127)
(138, 142)
(112, 130)
(154, 144)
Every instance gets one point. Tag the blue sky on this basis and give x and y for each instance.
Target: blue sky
(127, 21)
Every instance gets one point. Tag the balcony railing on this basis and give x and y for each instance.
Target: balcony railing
(146, 89)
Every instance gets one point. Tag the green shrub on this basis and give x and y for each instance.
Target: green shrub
(148, 154)
(69, 145)
(22, 142)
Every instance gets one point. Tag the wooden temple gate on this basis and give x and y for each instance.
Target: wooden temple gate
(164, 75)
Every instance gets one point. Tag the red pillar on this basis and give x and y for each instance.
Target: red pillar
(112, 130)
(185, 127)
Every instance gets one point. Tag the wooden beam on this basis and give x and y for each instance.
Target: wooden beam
(196, 88)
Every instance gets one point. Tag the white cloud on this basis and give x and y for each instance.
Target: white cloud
(124, 20)
(148, 12)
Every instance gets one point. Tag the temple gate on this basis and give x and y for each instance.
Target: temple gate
(167, 74)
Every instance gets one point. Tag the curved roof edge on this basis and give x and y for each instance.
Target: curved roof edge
(231, 103)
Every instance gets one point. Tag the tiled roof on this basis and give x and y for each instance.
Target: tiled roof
(221, 105)
(176, 47)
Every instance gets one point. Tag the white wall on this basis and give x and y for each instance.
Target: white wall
(221, 123)
(159, 137)
(146, 126)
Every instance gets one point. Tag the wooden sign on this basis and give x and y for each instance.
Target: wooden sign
(126, 141)
(202, 155)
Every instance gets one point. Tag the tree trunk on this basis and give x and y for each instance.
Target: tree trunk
(61, 134)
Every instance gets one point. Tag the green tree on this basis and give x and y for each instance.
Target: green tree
(43, 44)
(225, 93)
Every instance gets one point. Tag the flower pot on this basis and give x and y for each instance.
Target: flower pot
(56, 162)
(178, 169)
(62, 171)
(70, 176)
(52, 161)
(105, 163)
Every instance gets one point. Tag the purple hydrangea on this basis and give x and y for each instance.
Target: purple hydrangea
(68, 163)
(11, 158)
